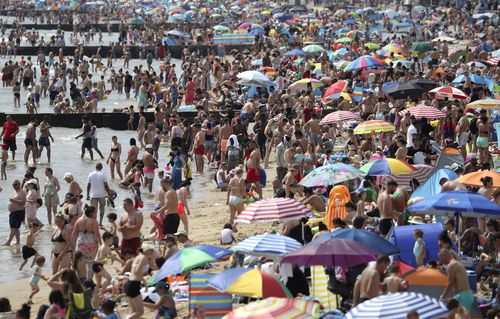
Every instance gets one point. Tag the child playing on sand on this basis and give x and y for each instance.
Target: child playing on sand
(112, 217)
(35, 277)
(419, 247)
(392, 283)
(28, 251)
(110, 199)
(5, 156)
(108, 308)
(104, 254)
(227, 235)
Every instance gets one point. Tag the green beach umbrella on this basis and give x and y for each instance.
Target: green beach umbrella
(221, 28)
(312, 48)
(344, 40)
(372, 45)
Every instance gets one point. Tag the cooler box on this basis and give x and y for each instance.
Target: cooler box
(402, 237)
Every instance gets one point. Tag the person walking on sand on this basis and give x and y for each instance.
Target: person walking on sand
(17, 212)
(130, 226)
(45, 137)
(253, 166)
(170, 209)
(149, 167)
(458, 283)
(97, 188)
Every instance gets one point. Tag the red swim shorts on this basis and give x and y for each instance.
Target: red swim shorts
(199, 150)
(252, 175)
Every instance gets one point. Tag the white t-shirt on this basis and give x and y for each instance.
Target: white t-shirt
(409, 135)
(97, 180)
(226, 236)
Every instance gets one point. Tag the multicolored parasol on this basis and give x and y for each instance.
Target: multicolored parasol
(375, 126)
(365, 62)
(387, 166)
(276, 308)
(249, 282)
(330, 175)
(489, 104)
(449, 92)
(303, 84)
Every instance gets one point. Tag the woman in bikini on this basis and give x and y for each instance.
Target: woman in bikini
(483, 139)
(61, 248)
(114, 158)
(86, 236)
(236, 195)
(51, 188)
(182, 207)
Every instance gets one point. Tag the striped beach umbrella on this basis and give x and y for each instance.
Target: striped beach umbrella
(190, 258)
(365, 62)
(304, 83)
(426, 111)
(249, 282)
(449, 92)
(396, 306)
(339, 116)
(375, 126)
(387, 166)
(422, 173)
(489, 104)
(275, 209)
(276, 308)
(267, 244)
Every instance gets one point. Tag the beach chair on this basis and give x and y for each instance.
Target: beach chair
(216, 304)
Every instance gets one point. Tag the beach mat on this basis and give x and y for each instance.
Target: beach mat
(216, 304)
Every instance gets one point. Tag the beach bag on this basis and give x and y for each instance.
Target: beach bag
(80, 305)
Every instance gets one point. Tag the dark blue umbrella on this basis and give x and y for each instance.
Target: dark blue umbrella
(350, 21)
(257, 31)
(457, 203)
(295, 52)
(368, 238)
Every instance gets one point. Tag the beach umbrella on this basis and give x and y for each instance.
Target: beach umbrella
(405, 90)
(355, 34)
(190, 258)
(366, 237)
(387, 166)
(489, 104)
(420, 111)
(330, 175)
(267, 244)
(449, 92)
(331, 252)
(365, 62)
(376, 126)
(344, 40)
(253, 78)
(400, 63)
(485, 47)
(421, 47)
(276, 308)
(474, 78)
(425, 84)
(303, 84)
(456, 203)
(342, 31)
(275, 209)
(249, 282)
(335, 88)
(478, 64)
(245, 25)
(221, 28)
(256, 62)
(430, 186)
(372, 45)
(337, 96)
(428, 281)
(474, 179)
(444, 38)
(257, 31)
(339, 116)
(493, 61)
(391, 48)
(256, 26)
(295, 52)
(396, 306)
(313, 48)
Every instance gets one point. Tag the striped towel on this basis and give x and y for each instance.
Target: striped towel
(319, 289)
(215, 303)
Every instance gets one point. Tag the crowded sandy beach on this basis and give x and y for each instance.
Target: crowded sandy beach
(250, 159)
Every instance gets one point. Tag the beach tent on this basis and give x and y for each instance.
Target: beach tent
(402, 237)
(431, 185)
(216, 304)
(448, 157)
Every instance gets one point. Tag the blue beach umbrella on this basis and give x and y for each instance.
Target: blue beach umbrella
(457, 203)
(295, 52)
(474, 78)
(366, 237)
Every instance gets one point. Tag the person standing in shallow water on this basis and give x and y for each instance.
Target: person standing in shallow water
(86, 133)
(51, 188)
(45, 137)
(114, 158)
(16, 212)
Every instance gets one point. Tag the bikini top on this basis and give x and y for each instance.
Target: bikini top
(58, 239)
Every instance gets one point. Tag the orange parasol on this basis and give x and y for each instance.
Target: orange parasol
(474, 179)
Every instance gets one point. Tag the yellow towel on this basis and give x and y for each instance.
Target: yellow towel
(319, 289)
